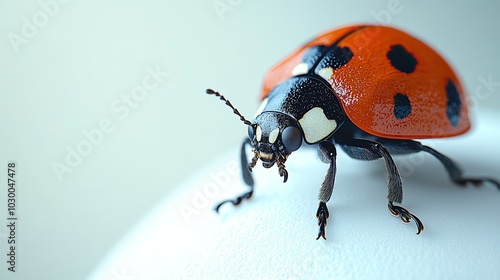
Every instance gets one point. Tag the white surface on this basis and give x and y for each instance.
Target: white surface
(272, 236)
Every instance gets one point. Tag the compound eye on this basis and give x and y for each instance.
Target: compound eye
(291, 138)
(251, 132)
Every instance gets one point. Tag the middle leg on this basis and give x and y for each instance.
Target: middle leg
(369, 150)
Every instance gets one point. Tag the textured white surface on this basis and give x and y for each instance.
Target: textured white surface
(273, 235)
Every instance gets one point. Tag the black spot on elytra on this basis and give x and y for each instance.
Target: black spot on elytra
(336, 58)
(313, 54)
(453, 104)
(401, 59)
(402, 106)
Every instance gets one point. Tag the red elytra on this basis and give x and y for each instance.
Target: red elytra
(367, 83)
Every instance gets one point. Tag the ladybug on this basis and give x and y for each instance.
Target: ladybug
(370, 90)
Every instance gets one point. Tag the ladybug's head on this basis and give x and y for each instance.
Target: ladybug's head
(274, 136)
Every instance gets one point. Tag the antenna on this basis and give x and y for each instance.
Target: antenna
(242, 118)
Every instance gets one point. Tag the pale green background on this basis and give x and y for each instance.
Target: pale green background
(65, 79)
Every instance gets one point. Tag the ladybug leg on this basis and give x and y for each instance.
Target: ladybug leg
(247, 177)
(328, 154)
(369, 150)
(455, 172)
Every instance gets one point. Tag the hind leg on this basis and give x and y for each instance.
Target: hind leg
(454, 171)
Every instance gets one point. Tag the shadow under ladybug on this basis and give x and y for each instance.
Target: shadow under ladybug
(371, 104)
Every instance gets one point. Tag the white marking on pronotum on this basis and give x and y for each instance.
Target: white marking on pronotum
(326, 73)
(316, 125)
(274, 135)
(258, 133)
(300, 68)
(261, 107)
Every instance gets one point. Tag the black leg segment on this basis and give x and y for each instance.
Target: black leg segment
(328, 154)
(247, 177)
(369, 150)
(405, 215)
(322, 214)
(455, 172)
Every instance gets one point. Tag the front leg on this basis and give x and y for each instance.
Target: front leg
(247, 177)
(327, 154)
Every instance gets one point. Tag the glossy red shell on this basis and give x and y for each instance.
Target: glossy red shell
(367, 84)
